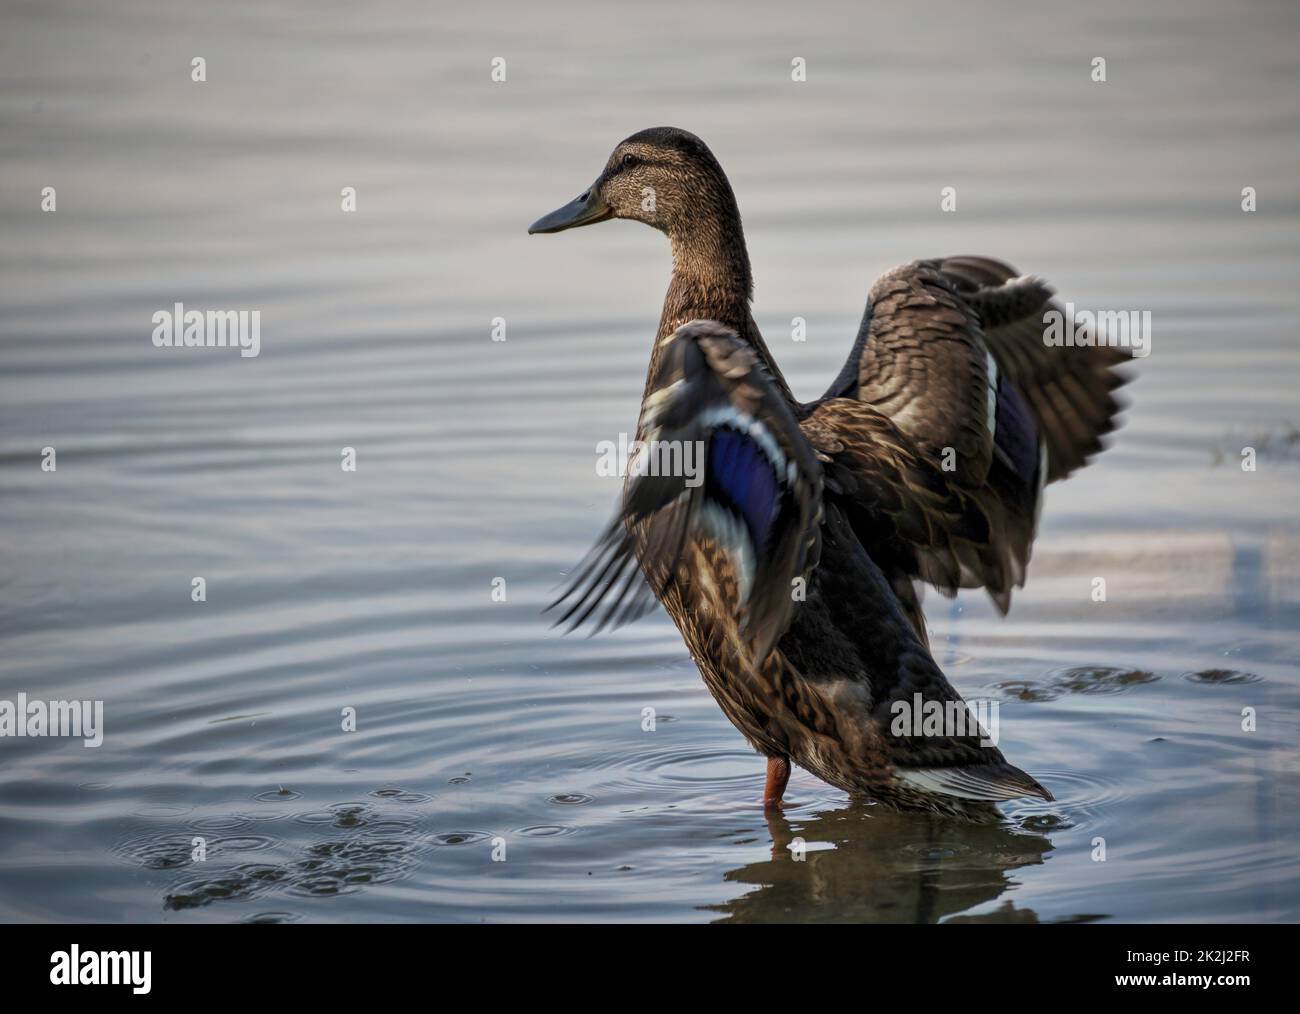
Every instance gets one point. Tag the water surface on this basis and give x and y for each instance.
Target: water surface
(476, 725)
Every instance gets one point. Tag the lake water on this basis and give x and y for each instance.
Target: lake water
(372, 590)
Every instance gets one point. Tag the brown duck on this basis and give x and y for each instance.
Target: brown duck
(789, 561)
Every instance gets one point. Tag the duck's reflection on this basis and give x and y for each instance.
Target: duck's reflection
(862, 863)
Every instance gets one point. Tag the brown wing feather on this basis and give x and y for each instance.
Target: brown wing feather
(924, 365)
(758, 498)
(908, 514)
(1071, 389)
(951, 352)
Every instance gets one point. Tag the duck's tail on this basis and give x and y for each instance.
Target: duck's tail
(985, 782)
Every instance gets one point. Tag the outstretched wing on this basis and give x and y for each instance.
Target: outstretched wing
(747, 482)
(951, 351)
(1070, 390)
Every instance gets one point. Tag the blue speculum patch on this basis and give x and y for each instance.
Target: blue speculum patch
(741, 477)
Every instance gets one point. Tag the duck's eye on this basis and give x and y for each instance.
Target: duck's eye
(629, 160)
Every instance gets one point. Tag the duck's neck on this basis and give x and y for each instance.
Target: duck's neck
(710, 261)
(712, 281)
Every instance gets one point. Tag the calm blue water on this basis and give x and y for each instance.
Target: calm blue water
(372, 590)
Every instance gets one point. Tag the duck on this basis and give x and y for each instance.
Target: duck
(794, 566)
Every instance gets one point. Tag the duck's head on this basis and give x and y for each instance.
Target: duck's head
(662, 176)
